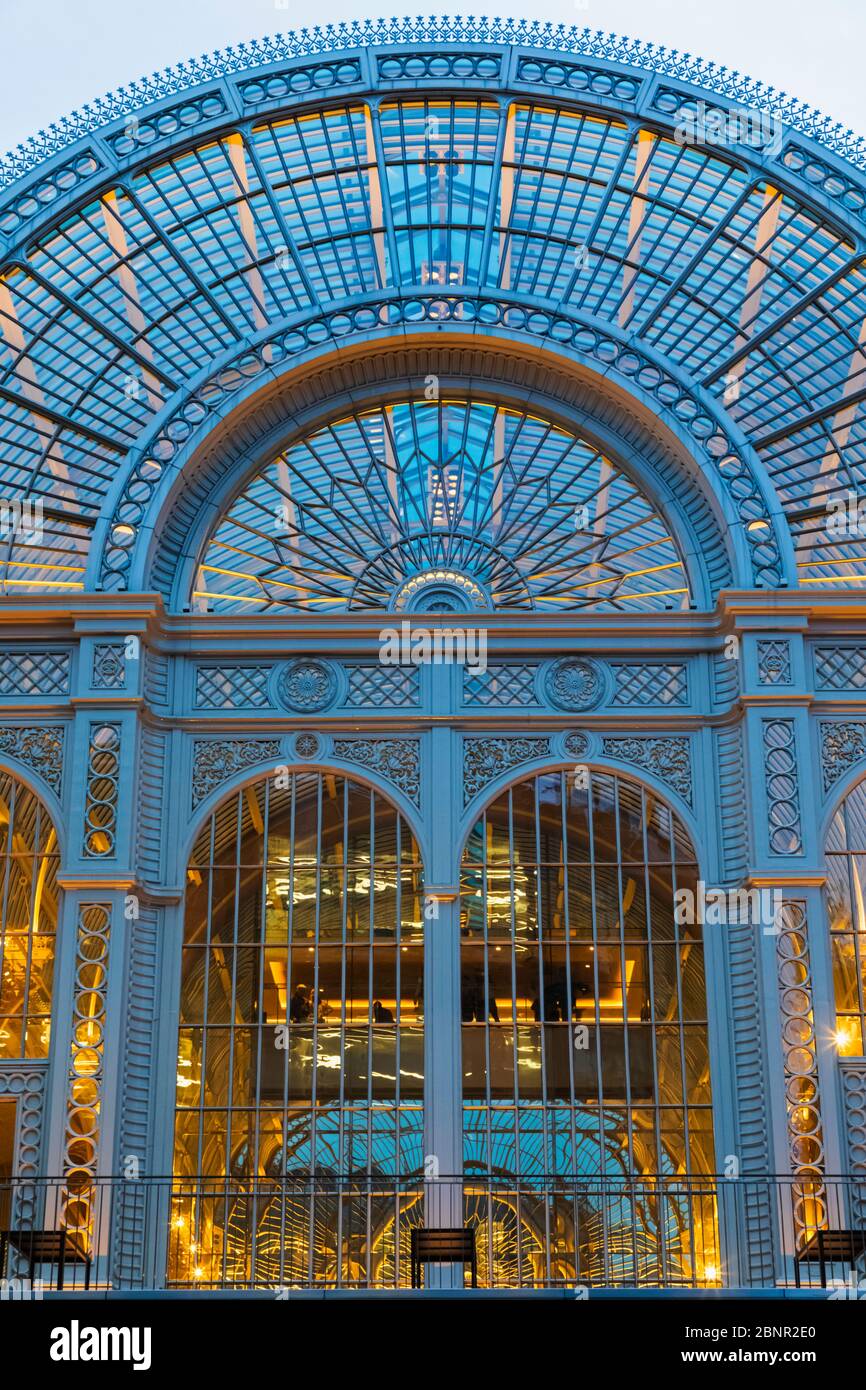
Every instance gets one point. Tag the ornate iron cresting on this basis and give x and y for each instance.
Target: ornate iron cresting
(445, 29)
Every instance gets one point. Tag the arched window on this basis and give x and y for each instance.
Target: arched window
(364, 512)
(846, 886)
(29, 920)
(586, 1077)
(300, 1052)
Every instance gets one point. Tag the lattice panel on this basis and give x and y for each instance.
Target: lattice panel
(231, 687)
(652, 684)
(840, 668)
(501, 685)
(34, 673)
(774, 663)
(373, 684)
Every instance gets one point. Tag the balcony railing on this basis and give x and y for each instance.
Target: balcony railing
(297, 1232)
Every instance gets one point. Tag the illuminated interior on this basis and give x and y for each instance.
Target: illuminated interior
(300, 1050)
(846, 884)
(30, 857)
(585, 1035)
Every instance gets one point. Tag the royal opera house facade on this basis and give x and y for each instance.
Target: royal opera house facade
(445, 329)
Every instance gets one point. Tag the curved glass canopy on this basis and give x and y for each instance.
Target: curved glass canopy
(742, 283)
(380, 509)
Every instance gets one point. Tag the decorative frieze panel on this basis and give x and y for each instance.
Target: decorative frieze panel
(136, 135)
(103, 786)
(667, 757)
(416, 66)
(579, 77)
(774, 662)
(802, 1095)
(232, 687)
(371, 685)
(486, 759)
(840, 668)
(397, 760)
(34, 673)
(109, 666)
(279, 86)
(664, 683)
(843, 743)
(501, 684)
(781, 785)
(217, 760)
(37, 746)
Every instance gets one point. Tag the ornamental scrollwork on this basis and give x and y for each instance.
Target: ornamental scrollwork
(398, 760)
(214, 761)
(574, 682)
(39, 747)
(843, 743)
(667, 757)
(485, 759)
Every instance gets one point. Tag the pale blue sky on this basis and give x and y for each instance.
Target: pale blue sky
(59, 55)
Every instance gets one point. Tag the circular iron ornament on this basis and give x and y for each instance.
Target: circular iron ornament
(307, 746)
(577, 745)
(574, 682)
(307, 685)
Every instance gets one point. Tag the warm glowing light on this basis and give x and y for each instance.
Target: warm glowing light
(846, 1039)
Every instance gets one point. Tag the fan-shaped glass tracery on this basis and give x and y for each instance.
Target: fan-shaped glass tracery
(371, 508)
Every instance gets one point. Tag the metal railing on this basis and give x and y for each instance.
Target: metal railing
(295, 1232)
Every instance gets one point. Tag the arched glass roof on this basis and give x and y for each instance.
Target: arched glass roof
(174, 239)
